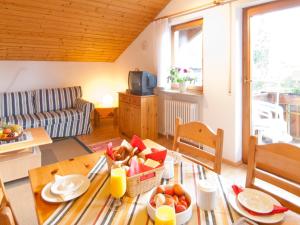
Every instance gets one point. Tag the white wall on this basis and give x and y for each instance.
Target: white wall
(96, 79)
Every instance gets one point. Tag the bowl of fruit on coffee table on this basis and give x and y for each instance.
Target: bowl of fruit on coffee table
(9, 132)
(175, 196)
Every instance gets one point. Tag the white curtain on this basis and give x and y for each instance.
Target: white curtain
(162, 50)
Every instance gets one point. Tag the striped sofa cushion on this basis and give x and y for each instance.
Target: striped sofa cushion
(16, 103)
(45, 118)
(57, 117)
(56, 98)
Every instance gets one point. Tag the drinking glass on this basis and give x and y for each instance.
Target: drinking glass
(117, 184)
(165, 215)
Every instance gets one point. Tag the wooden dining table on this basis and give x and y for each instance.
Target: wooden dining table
(96, 205)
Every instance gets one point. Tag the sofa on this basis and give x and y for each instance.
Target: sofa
(61, 111)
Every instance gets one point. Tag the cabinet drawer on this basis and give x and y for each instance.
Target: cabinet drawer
(124, 98)
(135, 100)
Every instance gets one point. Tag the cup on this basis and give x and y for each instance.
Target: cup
(207, 195)
(165, 215)
(168, 168)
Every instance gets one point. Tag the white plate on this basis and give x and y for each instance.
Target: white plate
(67, 184)
(48, 196)
(256, 200)
(261, 219)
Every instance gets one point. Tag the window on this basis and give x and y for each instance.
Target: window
(187, 50)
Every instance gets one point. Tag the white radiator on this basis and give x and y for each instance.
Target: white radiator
(185, 110)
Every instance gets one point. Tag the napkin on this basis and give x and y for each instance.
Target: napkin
(136, 168)
(137, 142)
(277, 209)
(158, 156)
(109, 151)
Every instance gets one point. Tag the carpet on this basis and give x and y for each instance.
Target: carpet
(100, 146)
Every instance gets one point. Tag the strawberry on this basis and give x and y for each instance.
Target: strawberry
(183, 202)
(179, 208)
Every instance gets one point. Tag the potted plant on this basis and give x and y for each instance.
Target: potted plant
(179, 78)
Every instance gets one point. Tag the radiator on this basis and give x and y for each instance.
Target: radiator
(185, 110)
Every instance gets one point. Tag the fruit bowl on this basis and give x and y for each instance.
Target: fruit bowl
(10, 132)
(182, 215)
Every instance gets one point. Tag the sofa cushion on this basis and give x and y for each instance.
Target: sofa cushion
(60, 116)
(47, 100)
(16, 103)
(27, 121)
(45, 118)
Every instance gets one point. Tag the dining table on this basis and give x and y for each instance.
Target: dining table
(97, 206)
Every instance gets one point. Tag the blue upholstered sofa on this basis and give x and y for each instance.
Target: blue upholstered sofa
(61, 111)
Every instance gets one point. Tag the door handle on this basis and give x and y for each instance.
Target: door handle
(247, 81)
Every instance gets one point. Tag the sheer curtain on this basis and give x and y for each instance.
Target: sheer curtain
(162, 50)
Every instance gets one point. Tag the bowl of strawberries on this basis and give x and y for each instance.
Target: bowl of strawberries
(175, 196)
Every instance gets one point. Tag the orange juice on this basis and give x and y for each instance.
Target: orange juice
(165, 215)
(117, 182)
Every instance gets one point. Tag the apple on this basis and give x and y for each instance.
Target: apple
(160, 189)
(178, 190)
(169, 201)
(175, 197)
(6, 131)
(169, 191)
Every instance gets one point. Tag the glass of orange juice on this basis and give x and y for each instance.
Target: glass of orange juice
(117, 184)
(165, 215)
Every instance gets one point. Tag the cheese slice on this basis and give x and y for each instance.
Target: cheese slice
(145, 152)
(151, 163)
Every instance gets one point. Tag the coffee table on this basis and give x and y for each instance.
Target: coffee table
(19, 157)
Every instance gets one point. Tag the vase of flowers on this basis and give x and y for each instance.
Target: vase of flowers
(179, 77)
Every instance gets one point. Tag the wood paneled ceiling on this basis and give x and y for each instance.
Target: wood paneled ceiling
(72, 30)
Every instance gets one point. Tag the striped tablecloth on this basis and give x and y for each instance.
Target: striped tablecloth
(97, 206)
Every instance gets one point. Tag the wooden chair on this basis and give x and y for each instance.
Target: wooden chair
(277, 164)
(202, 134)
(7, 216)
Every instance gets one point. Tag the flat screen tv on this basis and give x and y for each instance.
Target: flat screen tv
(141, 82)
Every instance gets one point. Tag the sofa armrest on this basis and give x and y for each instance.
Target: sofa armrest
(85, 106)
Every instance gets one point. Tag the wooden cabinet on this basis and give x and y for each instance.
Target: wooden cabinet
(138, 115)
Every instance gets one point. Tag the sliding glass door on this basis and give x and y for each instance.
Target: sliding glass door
(272, 73)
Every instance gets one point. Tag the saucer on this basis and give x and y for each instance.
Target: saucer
(260, 219)
(256, 201)
(49, 196)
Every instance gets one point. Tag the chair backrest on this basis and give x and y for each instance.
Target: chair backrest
(202, 134)
(7, 216)
(277, 164)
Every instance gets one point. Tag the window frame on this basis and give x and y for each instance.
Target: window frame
(184, 26)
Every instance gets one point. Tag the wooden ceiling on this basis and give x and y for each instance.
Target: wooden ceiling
(72, 30)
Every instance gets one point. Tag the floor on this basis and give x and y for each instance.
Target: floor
(19, 191)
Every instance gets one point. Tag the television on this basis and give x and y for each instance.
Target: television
(141, 82)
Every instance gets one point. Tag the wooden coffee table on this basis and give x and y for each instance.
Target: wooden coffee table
(19, 157)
